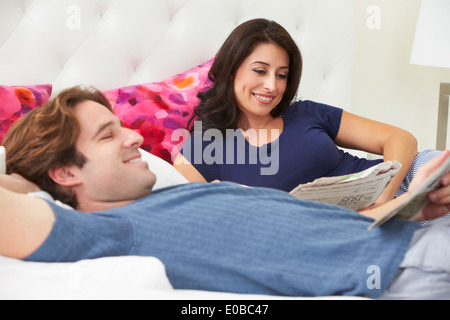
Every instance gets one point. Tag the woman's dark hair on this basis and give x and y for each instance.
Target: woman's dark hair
(218, 107)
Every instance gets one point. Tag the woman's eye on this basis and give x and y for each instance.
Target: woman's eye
(259, 71)
(283, 76)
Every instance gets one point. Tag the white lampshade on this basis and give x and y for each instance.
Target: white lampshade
(432, 41)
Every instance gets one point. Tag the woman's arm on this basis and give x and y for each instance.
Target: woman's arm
(379, 138)
(25, 222)
(187, 169)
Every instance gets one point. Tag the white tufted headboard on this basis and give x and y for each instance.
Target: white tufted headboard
(116, 43)
(113, 43)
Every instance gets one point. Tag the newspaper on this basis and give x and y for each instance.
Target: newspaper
(354, 191)
(418, 199)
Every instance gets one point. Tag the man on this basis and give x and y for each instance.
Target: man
(219, 237)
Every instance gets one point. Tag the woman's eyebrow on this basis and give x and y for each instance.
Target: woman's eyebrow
(261, 62)
(267, 64)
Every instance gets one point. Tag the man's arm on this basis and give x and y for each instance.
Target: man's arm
(25, 222)
(16, 183)
(439, 204)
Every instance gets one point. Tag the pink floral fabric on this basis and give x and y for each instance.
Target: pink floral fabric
(156, 110)
(16, 101)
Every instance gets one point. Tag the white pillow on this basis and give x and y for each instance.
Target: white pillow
(2, 160)
(166, 174)
(21, 279)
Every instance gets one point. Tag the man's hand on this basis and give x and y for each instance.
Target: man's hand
(439, 204)
(18, 184)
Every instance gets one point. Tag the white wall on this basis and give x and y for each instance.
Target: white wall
(386, 86)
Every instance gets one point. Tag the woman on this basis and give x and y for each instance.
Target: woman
(255, 76)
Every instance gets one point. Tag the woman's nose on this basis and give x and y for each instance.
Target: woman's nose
(269, 83)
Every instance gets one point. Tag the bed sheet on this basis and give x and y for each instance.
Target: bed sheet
(128, 278)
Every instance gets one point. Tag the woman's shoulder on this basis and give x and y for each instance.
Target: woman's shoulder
(311, 107)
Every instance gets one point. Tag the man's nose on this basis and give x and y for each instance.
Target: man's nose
(132, 138)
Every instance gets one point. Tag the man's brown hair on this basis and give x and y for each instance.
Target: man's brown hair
(45, 138)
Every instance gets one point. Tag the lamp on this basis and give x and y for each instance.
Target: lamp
(432, 48)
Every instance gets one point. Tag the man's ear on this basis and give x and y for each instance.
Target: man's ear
(63, 176)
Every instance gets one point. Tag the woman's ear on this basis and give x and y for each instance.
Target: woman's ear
(63, 176)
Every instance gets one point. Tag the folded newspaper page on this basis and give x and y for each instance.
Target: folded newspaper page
(354, 191)
(418, 200)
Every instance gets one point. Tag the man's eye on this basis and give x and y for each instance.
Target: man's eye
(106, 137)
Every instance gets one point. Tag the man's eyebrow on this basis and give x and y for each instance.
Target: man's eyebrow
(102, 127)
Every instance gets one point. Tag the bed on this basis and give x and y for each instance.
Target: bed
(150, 58)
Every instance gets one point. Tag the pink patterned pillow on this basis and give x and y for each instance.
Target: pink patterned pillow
(16, 101)
(156, 109)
